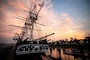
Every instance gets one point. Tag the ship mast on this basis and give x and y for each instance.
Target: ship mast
(32, 17)
(27, 30)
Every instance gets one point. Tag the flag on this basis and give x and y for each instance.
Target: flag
(41, 5)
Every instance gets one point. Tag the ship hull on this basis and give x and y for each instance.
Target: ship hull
(31, 49)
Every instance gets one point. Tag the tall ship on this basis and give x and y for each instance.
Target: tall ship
(26, 43)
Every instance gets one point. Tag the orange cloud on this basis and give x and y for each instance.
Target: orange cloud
(61, 24)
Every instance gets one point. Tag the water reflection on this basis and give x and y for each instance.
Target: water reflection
(58, 53)
(51, 54)
(65, 54)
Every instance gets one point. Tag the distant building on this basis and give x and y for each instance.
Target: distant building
(87, 40)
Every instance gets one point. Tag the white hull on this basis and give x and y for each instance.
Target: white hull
(31, 48)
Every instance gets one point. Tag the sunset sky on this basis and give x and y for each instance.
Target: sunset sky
(66, 18)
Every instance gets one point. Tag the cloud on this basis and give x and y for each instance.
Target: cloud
(61, 24)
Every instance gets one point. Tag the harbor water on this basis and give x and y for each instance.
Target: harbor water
(51, 54)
